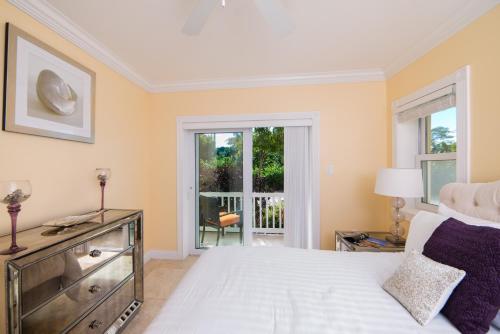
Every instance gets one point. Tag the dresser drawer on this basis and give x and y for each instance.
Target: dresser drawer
(69, 306)
(43, 279)
(105, 314)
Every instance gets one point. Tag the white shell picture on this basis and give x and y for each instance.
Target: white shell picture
(46, 93)
(55, 94)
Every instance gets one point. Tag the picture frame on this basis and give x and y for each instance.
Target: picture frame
(45, 92)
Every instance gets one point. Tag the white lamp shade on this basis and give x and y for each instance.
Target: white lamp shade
(400, 182)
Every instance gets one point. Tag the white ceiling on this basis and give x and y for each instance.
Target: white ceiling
(332, 39)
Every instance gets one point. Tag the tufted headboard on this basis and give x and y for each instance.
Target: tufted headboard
(481, 200)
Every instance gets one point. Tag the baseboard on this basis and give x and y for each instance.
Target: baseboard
(161, 255)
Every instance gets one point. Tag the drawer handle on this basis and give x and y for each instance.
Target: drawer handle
(95, 253)
(94, 288)
(95, 324)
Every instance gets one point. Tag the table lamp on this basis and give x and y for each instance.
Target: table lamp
(399, 183)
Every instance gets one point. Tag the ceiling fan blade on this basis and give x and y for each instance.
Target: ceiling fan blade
(199, 17)
(275, 15)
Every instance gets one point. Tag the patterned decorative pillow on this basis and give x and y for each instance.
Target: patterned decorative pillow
(475, 249)
(423, 286)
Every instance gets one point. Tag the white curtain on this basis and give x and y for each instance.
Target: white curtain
(298, 222)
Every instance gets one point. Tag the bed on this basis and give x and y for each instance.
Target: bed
(287, 290)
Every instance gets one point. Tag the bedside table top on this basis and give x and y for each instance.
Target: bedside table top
(388, 247)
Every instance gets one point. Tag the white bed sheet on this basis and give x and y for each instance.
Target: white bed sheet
(285, 290)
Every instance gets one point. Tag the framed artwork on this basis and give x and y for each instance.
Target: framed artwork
(45, 92)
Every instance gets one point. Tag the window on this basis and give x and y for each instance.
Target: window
(437, 152)
(431, 133)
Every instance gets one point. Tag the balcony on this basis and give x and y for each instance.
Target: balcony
(268, 219)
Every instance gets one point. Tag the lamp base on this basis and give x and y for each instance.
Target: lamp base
(396, 240)
(12, 250)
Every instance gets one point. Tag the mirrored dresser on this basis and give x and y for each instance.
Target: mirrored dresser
(86, 278)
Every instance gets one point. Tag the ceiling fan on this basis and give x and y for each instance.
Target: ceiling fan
(272, 10)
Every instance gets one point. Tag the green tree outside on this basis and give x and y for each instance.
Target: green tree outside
(221, 168)
(442, 140)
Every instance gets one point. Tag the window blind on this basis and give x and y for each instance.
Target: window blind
(427, 105)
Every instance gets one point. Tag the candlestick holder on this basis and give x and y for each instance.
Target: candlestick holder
(103, 175)
(13, 193)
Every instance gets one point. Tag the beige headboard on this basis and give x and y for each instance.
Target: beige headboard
(481, 200)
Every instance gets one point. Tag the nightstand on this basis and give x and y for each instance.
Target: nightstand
(341, 244)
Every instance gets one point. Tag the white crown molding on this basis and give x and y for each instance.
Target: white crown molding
(46, 14)
(269, 81)
(456, 22)
(51, 17)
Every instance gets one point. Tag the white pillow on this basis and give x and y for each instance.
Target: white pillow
(447, 212)
(421, 228)
(423, 285)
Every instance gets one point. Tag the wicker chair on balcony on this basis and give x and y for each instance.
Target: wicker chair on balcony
(211, 215)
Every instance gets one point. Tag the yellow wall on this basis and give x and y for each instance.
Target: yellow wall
(353, 129)
(62, 172)
(136, 136)
(478, 45)
(142, 152)
(353, 137)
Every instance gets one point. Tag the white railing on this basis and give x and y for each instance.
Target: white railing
(267, 209)
(268, 212)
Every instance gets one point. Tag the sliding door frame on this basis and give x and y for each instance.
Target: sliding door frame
(187, 125)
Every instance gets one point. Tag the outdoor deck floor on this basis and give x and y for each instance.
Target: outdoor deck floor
(232, 238)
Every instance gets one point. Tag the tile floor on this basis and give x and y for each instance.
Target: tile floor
(160, 279)
(233, 238)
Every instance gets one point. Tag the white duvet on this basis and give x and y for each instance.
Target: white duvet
(286, 290)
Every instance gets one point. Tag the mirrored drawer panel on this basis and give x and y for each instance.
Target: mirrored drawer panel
(45, 278)
(105, 314)
(67, 307)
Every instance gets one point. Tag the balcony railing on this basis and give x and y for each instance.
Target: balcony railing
(267, 209)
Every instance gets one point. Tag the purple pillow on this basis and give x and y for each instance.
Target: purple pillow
(475, 249)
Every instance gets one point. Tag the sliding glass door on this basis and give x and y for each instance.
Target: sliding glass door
(222, 188)
(238, 188)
